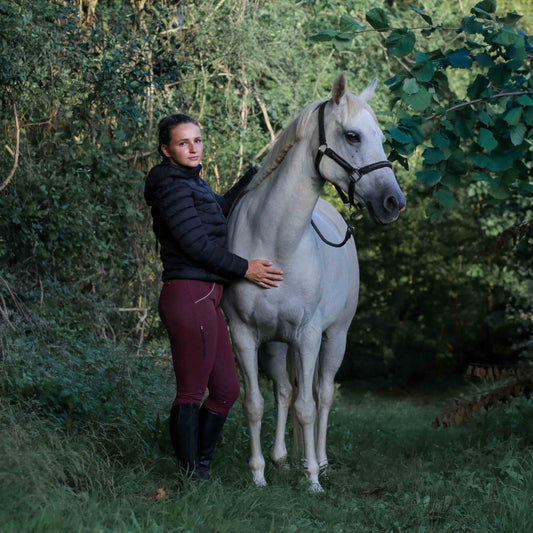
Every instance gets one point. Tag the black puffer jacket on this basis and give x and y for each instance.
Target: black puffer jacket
(190, 224)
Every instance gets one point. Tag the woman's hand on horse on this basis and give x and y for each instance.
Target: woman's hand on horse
(260, 272)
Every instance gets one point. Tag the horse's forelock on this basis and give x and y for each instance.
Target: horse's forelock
(355, 105)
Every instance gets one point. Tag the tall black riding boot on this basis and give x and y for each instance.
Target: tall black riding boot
(184, 421)
(210, 427)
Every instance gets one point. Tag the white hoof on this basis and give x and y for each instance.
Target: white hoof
(316, 487)
(260, 481)
(282, 463)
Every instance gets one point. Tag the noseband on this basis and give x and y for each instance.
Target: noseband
(355, 174)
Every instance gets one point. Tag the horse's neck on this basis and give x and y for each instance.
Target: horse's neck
(287, 200)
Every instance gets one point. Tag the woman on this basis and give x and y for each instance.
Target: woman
(189, 223)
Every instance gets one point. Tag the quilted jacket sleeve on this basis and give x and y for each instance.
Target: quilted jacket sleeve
(225, 202)
(174, 199)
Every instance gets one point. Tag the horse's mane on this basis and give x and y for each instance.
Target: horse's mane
(293, 133)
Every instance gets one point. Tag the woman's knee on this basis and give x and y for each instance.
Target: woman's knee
(222, 401)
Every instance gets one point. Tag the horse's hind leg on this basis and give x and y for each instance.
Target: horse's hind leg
(330, 359)
(245, 347)
(274, 363)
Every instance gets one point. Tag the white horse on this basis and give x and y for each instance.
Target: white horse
(313, 307)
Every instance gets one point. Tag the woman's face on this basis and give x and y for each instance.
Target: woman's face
(185, 146)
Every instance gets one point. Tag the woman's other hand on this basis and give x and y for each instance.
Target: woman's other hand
(260, 272)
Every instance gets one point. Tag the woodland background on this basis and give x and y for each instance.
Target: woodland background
(83, 86)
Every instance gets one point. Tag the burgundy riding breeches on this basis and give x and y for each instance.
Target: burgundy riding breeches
(201, 348)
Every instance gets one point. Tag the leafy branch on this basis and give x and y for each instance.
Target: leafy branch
(477, 101)
(490, 148)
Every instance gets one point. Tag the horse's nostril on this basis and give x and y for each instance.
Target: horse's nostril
(390, 204)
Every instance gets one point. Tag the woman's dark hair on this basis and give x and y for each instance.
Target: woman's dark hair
(166, 125)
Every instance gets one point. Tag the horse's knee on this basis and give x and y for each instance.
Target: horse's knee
(325, 394)
(305, 411)
(253, 408)
(284, 394)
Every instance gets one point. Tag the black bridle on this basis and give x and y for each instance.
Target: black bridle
(355, 174)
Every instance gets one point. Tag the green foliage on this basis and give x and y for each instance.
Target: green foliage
(389, 471)
(76, 252)
(460, 108)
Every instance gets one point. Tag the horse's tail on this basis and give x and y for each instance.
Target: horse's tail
(298, 436)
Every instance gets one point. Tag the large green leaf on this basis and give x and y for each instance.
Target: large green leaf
(528, 116)
(484, 60)
(429, 177)
(419, 101)
(427, 18)
(499, 74)
(487, 5)
(518, 133)
(506, 37)
(498, 190)
(341, 43)
(400, 42)
(445, 198)
(512, 117)
(424, 72)
(440, 140)
(324, 35)
(480, 176)
(460, 58)
(410, 86)
(486, 139)
(378, 19)
(432, 156)
(398, 135)
(471, 25)
(478, 87)
(349, 24)
(462, 129)
(510, 18)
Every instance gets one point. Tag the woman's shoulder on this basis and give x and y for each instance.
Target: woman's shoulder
(162, 178)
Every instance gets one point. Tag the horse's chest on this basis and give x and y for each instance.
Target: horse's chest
(280, 319)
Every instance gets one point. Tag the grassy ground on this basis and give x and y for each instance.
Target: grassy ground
(390, 471)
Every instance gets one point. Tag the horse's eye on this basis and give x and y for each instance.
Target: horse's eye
(353, 136)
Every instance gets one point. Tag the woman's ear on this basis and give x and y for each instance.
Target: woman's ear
(164, 149)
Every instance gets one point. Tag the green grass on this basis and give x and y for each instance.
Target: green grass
(390, 471)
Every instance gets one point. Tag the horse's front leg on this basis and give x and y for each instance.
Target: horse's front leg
(305, 358)
(245, 346)
(330, 359)
(274, 363)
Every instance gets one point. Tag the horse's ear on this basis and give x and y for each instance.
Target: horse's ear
(367, 94)
(339, 87)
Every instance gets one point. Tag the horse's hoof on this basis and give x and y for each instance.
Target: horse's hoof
(282, 463)
(260, 482)
(316, 487)
(323, 470)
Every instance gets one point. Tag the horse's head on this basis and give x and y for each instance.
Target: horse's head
(352, 132)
